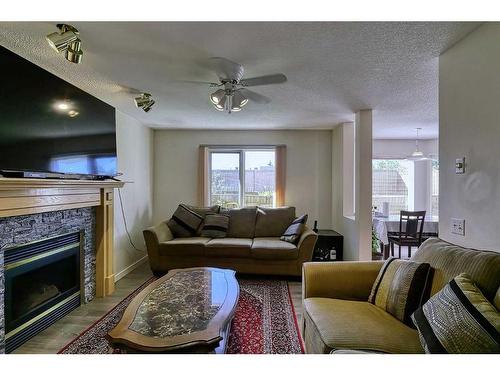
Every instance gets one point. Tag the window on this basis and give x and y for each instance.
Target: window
(435, 190)
(242, 177)
(391, 183)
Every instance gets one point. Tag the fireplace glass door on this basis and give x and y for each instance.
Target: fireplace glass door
(40, 278)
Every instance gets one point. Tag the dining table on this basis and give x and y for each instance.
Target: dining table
(383, 226)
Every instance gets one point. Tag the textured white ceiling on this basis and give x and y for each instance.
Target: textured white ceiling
(333, 69)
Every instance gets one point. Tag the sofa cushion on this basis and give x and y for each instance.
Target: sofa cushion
(229, 247)
(341, 324)
(184, 246)
(449, 260)
(272, 222)
(241, 222)
(294, 231)
(273, 248)
(401, 287)
(215, 226)
(459, 320)
(184, 222)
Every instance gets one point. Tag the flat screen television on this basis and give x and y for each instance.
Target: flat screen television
(50, 128)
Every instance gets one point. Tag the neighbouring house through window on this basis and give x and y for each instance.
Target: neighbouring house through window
(239, 177)
(391, 183)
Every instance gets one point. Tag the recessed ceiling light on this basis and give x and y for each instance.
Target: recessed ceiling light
(73, 113)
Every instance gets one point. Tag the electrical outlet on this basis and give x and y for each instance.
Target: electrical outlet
(458, 226)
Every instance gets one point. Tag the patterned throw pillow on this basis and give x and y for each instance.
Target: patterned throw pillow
(401, 287)
(458, 319)
(294, 231)
(203, 211)
(215, 226)
(184, 222)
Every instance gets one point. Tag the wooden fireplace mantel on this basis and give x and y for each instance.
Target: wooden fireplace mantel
(24, 196)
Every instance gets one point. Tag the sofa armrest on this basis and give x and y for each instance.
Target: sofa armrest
(342, 280)
(306, 245)
(153, 237)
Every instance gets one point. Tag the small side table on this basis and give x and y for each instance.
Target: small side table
(329, 246)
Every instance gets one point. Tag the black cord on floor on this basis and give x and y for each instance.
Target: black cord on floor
(125, 223)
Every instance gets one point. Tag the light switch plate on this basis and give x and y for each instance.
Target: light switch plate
(458, 226)
(460, 166)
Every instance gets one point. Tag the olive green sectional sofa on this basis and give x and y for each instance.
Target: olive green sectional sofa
(338, 316)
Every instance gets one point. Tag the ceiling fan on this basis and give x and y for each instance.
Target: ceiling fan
(232, 93)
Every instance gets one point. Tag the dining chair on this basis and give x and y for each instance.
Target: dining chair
(411, 226)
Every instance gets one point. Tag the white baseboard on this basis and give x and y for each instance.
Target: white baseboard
(130, 268)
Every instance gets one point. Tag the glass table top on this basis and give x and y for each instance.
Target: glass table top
(184, 303)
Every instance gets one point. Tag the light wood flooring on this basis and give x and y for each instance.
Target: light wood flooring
(63, 331)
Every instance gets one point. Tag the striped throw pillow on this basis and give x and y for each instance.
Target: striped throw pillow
(294, 231)
(401, 287)
(184, 222)
(215, 226)
(458, 319)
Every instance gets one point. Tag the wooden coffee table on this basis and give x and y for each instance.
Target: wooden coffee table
(186, 311)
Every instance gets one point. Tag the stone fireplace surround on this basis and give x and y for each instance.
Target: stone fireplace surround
(34, 209)
(20, 230)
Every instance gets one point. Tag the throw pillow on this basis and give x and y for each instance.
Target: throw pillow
(215, 226)
(294, 231)
(184, 222)
(401, 287)
(203, 211)
(458, 319)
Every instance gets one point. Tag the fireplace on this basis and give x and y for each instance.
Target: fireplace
(43, 282)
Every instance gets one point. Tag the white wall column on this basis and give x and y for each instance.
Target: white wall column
(363, 182)
(422, 185)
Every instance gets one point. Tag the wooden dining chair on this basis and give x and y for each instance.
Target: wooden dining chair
(410, 234)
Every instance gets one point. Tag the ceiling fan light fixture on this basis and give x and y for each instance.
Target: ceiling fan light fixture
(239, 100)
(217, 96)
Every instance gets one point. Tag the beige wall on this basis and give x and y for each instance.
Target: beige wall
(469, 125)
(309, 171)
(135, 160)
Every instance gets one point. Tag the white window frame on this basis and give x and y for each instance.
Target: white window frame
(241, 151)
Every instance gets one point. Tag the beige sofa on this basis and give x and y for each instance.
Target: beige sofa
(337, 315)
(252, 245)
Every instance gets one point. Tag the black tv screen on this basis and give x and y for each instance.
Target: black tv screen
(49, 125)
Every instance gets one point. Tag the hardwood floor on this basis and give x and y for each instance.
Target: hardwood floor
(63, 331)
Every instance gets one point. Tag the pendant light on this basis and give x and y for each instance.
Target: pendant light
(417, 154)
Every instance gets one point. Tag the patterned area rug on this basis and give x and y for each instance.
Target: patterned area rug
(264, 322)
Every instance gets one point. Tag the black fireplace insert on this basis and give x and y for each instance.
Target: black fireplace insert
(42, 284)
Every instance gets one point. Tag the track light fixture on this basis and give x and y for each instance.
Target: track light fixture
(144, 101)
(67, 41)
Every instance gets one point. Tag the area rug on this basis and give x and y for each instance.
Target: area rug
(264, 322)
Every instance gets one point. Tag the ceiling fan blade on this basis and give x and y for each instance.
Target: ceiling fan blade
(257, 98)
(271, 79)
(211, 84)
(227, 69)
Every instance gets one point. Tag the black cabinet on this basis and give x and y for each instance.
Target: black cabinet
(329, 246)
